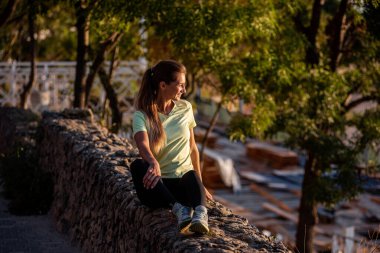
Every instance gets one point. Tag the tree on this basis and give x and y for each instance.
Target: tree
(312, 85)
(83, 11)
(32, 77)
(12, 20)
(108, 22)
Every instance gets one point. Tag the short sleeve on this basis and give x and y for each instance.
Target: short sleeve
(192, 122)
(139, 123)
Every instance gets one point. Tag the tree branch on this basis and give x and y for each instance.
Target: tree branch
(361, 100)
(112, 97)
(312, 54)
(8, 11)
(108, 45)
(336, 34)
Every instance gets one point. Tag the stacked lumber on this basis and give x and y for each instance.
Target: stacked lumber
(199, 134)
(274, 156)
(211, 178)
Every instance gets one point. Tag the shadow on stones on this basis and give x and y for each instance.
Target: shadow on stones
(28, 188)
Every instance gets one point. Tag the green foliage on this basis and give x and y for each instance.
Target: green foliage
(255, 124)
(333, 187)
(57, 33)
(311, 105)
(207, 37)
(29, 189)
(368, 130)
(371, 14)
(109, 17)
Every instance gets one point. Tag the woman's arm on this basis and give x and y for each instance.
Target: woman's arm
(194, 154)
(153, 174)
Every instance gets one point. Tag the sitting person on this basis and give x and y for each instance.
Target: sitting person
(168, 175)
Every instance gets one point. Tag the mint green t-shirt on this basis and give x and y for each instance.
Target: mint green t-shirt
(174, 158)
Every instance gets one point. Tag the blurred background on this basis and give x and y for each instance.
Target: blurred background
(286, 96)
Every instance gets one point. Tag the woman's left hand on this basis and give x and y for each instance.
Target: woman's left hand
(208, 195)
(152, 176)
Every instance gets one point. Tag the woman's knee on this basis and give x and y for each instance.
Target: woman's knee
(191, 176)
(139, 167)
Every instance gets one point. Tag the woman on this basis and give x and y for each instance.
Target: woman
(169, 174)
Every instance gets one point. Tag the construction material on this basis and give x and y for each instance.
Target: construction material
(276, 157)
(256, 177)
(269, 180)
(225, 168)
(199, 134)
(211, 177)
(280, 212)
(256, 188)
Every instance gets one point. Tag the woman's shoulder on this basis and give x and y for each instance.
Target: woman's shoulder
(139, 114)
(183, 104)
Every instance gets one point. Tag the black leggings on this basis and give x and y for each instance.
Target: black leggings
(187, 190)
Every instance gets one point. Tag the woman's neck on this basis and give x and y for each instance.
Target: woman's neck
(165, 106)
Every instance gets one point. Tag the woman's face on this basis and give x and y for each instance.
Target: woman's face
(175, 89)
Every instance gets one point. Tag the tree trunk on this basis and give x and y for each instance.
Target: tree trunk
(190, 85)
(8, 11)
(209, 130)
(32, 76)
(307, 213)
(105, 47)
(112, 97)
(336, 34)
(312, 54)
(114, 62)
(83, 25)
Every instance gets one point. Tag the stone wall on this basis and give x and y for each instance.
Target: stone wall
(17, 128)
(95, 202)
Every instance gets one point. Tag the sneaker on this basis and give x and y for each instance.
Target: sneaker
(199, 224)
(184, 215)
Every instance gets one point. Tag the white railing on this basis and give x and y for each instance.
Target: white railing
(347, 243)
(54, 87)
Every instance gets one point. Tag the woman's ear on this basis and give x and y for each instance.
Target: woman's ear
(162, 85)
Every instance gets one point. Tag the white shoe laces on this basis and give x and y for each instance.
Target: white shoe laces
(201, 216)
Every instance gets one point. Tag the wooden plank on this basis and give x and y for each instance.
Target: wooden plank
(375, 199)
(297, 193)
(211, 178)
(276, 157)
(269, 180)
(264, 193)
(256, 177)
(280, 212)
(286, 215)
(199, 134)
(366, 204)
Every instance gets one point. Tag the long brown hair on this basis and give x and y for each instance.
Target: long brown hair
(146, 100)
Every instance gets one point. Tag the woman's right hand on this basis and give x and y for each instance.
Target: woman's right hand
(152, 176)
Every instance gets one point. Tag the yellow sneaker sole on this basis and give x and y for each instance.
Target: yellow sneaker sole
(199, 228)
(184, 225)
